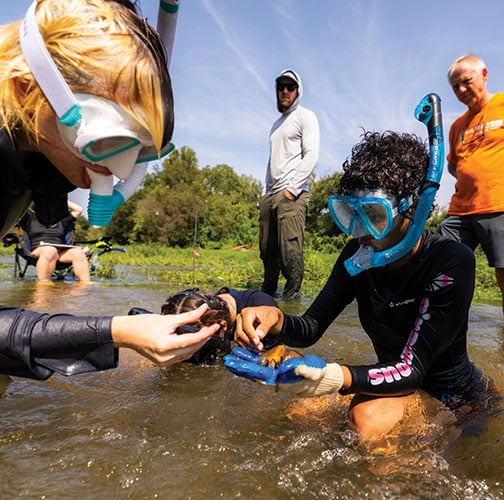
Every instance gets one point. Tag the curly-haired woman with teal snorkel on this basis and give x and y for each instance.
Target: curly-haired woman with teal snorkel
(413, 300)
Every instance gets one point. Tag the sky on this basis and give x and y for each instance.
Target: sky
(365, 64)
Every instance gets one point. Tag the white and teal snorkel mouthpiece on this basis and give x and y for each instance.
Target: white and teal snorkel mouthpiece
(428, 112)
(100, 202)
(105, 197)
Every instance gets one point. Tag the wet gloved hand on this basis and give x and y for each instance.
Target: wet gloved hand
(308, 376)
(244, 363)
(312, 379)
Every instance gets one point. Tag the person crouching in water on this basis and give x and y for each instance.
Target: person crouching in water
(414, 308)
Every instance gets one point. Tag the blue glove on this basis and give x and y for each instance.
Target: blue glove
(244, 363)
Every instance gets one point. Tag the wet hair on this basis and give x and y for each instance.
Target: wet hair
(100, 47)
(191, 299)
(395, 163)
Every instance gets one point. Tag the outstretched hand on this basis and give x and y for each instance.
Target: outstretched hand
(254, 323)
(244, 363)
(306, 377)
(154, 336)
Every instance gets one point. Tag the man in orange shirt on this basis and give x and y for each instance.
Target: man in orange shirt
(476, 160)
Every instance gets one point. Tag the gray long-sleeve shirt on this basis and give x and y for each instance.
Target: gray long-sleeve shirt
(294, 151)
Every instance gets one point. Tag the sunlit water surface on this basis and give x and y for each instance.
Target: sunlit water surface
(194, 432)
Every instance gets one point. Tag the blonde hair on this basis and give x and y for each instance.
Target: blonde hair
(99, 46)
(474, 60)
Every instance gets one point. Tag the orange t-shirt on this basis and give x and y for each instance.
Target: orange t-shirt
(477, 150)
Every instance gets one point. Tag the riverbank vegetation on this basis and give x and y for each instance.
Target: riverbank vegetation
(199, 226)
(182, 205)
(240, 267)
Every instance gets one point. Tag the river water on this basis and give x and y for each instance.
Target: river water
(196, 432)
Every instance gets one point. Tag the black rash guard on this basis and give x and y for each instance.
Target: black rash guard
(252, 298)
(35, 345)
(416, 317)
(27, 177)
(248, 298)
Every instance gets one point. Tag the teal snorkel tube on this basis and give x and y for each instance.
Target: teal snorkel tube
(428, 112)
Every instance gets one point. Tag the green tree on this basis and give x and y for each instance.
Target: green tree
(122, 225)
(435, 219)
(178, 198)
(318, 220)
(179, 170)
(172, 197)
(167, 215)
(232, 200)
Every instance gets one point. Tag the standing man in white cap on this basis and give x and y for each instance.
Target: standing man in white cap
(294, 151)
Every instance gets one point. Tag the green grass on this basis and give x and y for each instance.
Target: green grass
(242, 269)
(486, 288)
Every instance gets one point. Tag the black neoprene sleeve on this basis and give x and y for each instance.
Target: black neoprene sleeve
(35, 345)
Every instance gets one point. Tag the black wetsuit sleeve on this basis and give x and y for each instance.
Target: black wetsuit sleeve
(423, 348)
(249, 298)
(338, 292)
(49, 188)
(434, 356)
(35, 345)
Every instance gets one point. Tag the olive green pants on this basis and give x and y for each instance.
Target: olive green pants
(281, 239)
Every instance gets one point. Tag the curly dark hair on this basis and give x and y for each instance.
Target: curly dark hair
(395, 163)
(191, 299)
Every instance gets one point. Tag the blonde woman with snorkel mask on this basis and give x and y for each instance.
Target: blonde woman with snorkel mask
(85, 93)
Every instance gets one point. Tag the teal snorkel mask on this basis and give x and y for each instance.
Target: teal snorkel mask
(371, 212)
(428, 112)
(94, 128)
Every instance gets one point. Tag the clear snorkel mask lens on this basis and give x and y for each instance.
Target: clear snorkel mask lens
(107, 131)
(371, 214)
(107, 135)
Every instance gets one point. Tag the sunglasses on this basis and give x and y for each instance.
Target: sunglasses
(291, 87)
